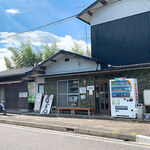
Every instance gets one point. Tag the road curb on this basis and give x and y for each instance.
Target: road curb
(143, 139)
(72, 129)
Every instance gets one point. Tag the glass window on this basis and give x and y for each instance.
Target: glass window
(106, 87)
(62, 100)
(73, 100)
(62, 87)
(102, 103)
(68, 93)
(41, 88)
(101, 87)
(73, 86)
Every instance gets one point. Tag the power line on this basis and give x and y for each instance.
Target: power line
(39, 27)
(55, 22)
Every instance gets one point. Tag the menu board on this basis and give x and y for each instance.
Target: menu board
(47, 104)
(38, 100)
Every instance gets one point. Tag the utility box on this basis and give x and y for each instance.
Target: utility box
(147, 97)
(140, 111)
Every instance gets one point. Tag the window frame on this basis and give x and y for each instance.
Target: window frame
(68, 93)
(40, 85)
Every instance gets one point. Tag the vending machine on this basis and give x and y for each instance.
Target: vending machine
(124, 97)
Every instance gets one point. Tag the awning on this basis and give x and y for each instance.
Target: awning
(10, 82)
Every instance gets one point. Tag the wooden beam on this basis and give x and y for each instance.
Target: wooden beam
(43, 67)
(90, 13)
(103, 2)
(53, 60)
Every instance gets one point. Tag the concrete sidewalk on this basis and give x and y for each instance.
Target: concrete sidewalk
(105, 128)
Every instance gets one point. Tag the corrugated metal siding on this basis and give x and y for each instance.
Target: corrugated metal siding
(124, 41)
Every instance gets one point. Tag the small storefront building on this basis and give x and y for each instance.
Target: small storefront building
(13, 90)
(65, 75)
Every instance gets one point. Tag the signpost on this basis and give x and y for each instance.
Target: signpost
(47, 104)
(38, 100)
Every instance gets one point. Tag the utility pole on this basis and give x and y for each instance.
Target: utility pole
(86, 39)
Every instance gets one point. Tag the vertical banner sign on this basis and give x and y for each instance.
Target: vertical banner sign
(31, 90)
(47, 104)
(38, 100)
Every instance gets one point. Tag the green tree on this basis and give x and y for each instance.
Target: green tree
(23, 56)
(39, 56)
(27, 55)
(50, 50)
(54, 47)
(88, 52)
(8, 63)
(78, 50)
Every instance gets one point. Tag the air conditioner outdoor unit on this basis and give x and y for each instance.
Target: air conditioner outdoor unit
(147, 97)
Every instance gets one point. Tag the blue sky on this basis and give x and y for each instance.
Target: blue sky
(20, 15)
(34, 13)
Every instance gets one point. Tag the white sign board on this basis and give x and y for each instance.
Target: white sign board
(83, 97)
(37, 103)
(90, 87)
(82, 90)
(23, 94)
(90, 92)
(47, 104)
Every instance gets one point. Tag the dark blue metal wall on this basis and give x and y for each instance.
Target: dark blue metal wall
(124, 41)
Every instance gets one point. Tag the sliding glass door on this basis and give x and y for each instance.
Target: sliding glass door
(62, 94)
(67, 93)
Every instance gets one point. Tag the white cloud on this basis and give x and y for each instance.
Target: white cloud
(12, 11)
(4, 52)
(37, 38)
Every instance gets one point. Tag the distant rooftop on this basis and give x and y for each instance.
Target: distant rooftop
(14, 72)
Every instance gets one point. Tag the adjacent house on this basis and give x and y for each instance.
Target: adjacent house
(120, 32)
(11, 84)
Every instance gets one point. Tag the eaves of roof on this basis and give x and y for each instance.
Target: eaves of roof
(15, 72)
(105, 71)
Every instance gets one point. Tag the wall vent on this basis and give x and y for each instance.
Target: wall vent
(66, 59)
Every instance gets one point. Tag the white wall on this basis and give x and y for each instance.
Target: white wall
(71, 66)
(120, 10)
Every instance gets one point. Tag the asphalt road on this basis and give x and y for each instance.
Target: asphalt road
(25, 138)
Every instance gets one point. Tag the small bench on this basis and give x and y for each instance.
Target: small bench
(73, 109)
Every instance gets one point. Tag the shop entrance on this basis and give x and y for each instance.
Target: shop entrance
(102, 97)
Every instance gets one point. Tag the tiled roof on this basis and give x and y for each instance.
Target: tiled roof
(13, 72)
